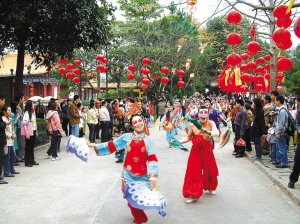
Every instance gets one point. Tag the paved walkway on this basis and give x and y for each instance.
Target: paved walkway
(71, 191)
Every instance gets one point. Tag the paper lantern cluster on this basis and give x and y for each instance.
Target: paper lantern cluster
(102, 63)
(70, 70)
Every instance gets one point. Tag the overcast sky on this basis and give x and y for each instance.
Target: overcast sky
(204, 9)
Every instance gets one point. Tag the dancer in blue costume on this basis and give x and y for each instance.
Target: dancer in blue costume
(168, 122)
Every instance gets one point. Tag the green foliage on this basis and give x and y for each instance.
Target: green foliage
(43, 138)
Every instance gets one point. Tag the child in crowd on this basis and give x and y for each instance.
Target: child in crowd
(271, 138)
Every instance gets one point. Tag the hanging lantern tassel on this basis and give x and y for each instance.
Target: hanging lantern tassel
(253, 32)
(290, 7)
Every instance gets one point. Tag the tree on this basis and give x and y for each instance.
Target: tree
(292, 80)
(265, 20)
(51, 29)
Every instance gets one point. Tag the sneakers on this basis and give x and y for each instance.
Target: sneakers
(256, 158)
(212, 192)
(282, 166)
(47, 156)
(55, 158)
(3, 181)
(191, 200)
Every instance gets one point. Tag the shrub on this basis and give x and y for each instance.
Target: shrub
(43, 138)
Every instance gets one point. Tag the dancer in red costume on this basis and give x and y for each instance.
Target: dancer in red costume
(202, 171)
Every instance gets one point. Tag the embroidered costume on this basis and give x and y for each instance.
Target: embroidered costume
(168, 122)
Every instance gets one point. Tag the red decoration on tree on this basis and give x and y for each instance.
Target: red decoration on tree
(284, 45)
(63, 61)
(233, 59)
(245, 56)
(164, 70)
(297, 27)
(104, 60)
(180, 84)
(284, 22)
(280, 11)
(100, 57)
(244, 88)
(146, 61)
(234, 39)
(143, 86)
(284, 64)
(234, 17)
(70, 66)
(105, 69)
(259, 69)
(253, 47)
(280, 89)
(251, 65)
(260, 60)
(281, 35)
(244, 67)
(131, 68)
(77, 71)
(280, 77)
(145, 81)
(78, 62)
(267, 58)
(76, 80)
(267, 76)
(164, 80)
(130, 76)
(267, 67)
(70, 75)
(100, 68)
(253, 32)
(145, 71)
(62, 71)
(180, 73)
(245, 77)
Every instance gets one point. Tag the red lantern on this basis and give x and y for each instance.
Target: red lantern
(130, 76)
(281, 35)
(267, 67)
(259, 79)
(297, 27)
(164, 80)
(280, 11)
(243, 67)
(260, 60)
(279, 89)
(104, 60)
(146, 61)
(143, 86)
(267, 58)
(164, 70)
(78, 62)
(62, 71)
(267, 76)
(131, 68)
(284, 64)
(100, 57)
(259, 69)
(284, 22)
(180, 84)
(100, 68)
(259, 87)
(233, 59)
(245, 56)
(105, 69)
(145, 81)
(252, 78)
(280, 77)
(77, 71)
(70, 75)
(180, 73)
(253, 47)
(244, 88)
(234, 39)
(63, 61)
(145, 71)
(284, 45)
(245, 77)
(76, 80)
(70, 66)
(251, 65)
(234, 17)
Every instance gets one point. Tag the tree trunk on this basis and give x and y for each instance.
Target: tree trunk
(273, 70)
(20, 66)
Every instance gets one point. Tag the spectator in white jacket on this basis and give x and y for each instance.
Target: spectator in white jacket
(104, 120)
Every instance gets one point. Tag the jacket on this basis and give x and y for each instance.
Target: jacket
(258, 127)
(267, 109)
(281, 121)
(2, 131)
(104, 114)
(9, 132)
(92, 116)
(74, 117)
(54, 122)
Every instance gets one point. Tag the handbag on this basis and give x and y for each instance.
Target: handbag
(29, 129)
(241, 143)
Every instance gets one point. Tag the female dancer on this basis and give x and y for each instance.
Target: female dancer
(202, 171)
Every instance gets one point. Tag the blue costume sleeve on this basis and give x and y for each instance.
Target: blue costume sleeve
(152, 166)
(117, 144)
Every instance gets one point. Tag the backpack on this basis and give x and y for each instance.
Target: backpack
(291, 125)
